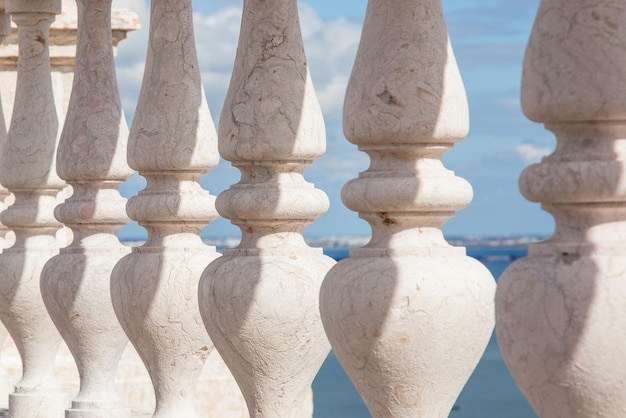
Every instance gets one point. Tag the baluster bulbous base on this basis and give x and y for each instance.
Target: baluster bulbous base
(261, 309)
(24, 314)
(155, 296)
(560, 311)
(410, 328)
(561, 331)
(4, 378)
(76, 290)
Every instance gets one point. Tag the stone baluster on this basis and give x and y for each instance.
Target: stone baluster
(560, 311)
(259, 301)
(7, 237)
(92, 159)
(408, 315)
(27, 169)
(172, 144)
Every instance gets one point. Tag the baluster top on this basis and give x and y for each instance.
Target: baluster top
(271, 112)
(575, 63)
(405, 86)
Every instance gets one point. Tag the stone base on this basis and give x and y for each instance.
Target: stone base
(95, 413)
(100, 410)
(36, 405)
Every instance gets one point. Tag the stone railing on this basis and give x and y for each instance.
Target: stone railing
(408, 315)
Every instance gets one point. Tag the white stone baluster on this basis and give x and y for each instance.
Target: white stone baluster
(7, 237)
(408, 315)
(172, 144)
(28, 170)
(560, 311)
(92, 159)
(260, 301)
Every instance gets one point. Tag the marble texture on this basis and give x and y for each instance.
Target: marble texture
(172, 144)
(560, 311)
(7, 238)
(27, 169)
(408, 315)
(217, 392)
(92, 159)
(259, 301)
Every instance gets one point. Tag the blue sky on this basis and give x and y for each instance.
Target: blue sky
(488, 37)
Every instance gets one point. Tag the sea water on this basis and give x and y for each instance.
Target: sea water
(489, 393)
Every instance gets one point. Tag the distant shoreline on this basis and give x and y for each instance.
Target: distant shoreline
(347, 242)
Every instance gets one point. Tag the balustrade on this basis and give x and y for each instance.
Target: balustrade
(172, 144)
(560, 310)
(408, 315)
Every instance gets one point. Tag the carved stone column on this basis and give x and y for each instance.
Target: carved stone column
(28, 170)
(560, 311)
(7, 238)
(172, 144)
(260, 301)
(408, 315)
(92, 159)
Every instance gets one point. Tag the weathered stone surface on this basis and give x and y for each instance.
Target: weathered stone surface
(259, 301)
(27, 169)
(92, 159)
(172, 144)
(560, 311)
(217, 392)
(408, 315)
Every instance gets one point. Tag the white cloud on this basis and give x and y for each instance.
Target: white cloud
(216, 43)
(131, 54)
(330, 47)
(129, 78)
(331, 95)
(532, 153)
(509, 102)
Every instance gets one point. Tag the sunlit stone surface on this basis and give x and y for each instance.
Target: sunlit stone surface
(27, 169)
(408, 315)
(92, 159)
(259, 301)
(172, 144)
(560, 311)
